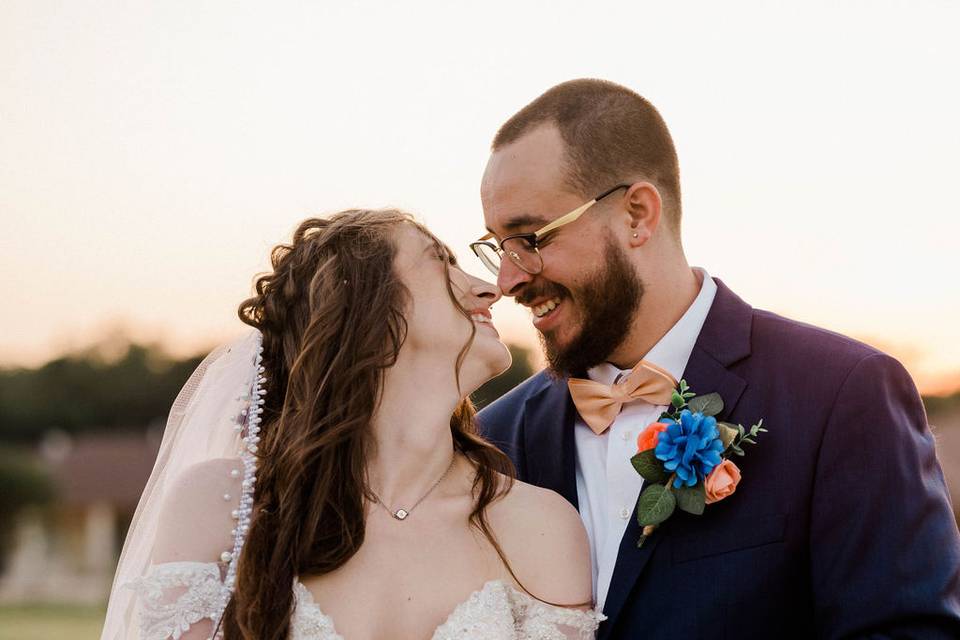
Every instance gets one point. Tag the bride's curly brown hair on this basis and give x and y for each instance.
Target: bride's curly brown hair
(332, 318)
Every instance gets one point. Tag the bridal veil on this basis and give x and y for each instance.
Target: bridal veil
(213, 424)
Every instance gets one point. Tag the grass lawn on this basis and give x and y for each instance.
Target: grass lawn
(51, 622)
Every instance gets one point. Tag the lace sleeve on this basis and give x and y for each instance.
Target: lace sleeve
(540, 621)
(179, 600)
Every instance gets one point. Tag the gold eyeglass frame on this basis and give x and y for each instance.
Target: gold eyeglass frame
(532, 238)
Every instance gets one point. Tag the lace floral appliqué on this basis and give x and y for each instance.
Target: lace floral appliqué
(539, 621)
(308, 621)
(175, 595)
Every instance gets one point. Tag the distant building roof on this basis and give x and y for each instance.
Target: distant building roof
(101, 466)
(114, 466)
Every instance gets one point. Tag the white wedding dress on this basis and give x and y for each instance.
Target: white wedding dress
(168, 583)
(183, 599)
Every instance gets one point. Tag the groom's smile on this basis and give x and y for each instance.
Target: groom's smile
(546, 301)
(543, 312)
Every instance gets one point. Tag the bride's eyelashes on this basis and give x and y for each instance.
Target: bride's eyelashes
(446, 256)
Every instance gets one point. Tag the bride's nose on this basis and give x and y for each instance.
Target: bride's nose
(488, 292)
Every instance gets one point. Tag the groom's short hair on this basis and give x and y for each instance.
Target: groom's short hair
(611, 134)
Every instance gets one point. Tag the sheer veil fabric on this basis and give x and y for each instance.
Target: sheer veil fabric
(215, 416)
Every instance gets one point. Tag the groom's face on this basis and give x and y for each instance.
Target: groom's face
(582, 300)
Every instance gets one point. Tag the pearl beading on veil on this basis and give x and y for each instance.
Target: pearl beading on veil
(248, 424)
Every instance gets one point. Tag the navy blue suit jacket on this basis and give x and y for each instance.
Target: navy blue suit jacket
(841, 526)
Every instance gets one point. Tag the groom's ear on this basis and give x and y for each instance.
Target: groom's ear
(643, 208)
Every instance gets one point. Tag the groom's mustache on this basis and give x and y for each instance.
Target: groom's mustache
(539, 291)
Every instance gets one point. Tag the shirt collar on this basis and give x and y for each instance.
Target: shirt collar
(672, 351)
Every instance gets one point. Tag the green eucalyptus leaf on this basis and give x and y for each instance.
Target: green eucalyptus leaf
(649, 467)
(709, 405)
(677, 400)
(692, 499)
(656, 504)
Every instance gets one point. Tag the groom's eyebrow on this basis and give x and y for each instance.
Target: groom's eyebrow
(524, 220)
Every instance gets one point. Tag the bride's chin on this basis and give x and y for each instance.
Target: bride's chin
(498, 361)
(505, 360)
(487, 362)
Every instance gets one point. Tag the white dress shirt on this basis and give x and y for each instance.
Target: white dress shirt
(607, 484)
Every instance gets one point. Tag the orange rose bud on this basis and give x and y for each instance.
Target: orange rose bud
(722, 481)
(648, 437)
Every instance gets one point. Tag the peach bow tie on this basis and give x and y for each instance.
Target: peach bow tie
(599, 404)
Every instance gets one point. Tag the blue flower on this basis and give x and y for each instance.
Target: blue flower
(691, 447)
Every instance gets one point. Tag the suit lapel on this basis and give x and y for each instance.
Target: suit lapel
(723, 340)
(548, 438)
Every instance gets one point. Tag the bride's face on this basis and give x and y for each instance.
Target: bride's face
(437, 329)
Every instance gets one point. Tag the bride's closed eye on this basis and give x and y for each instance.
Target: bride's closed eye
(446, 256)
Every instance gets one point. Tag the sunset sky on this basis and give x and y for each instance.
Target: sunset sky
(151, 153)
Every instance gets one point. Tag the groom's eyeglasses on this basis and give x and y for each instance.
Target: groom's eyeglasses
(523, 248)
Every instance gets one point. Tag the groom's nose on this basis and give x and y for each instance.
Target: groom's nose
(511, 278)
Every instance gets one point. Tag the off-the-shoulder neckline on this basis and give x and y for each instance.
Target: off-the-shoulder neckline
(304, 595)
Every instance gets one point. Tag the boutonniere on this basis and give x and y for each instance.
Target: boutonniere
(684, 458)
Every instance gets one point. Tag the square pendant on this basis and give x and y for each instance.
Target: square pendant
(400, 514)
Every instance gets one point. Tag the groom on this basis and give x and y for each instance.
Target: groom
(841, 525)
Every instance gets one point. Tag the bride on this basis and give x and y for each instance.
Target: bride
(321, 477)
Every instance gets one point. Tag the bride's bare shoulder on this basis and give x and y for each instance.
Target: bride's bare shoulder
(543, 537)
(530, 501)
(200, 500)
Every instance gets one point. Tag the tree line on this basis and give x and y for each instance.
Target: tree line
(130, 391)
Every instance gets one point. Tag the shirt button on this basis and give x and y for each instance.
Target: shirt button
(624, 513)
(625, 435)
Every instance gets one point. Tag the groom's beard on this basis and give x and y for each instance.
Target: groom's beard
(607, 304)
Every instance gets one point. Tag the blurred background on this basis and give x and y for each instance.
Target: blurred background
(151, 154)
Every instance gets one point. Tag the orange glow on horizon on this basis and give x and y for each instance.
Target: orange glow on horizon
(516, 329)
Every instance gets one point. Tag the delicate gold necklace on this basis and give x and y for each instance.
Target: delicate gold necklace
(401, 514)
